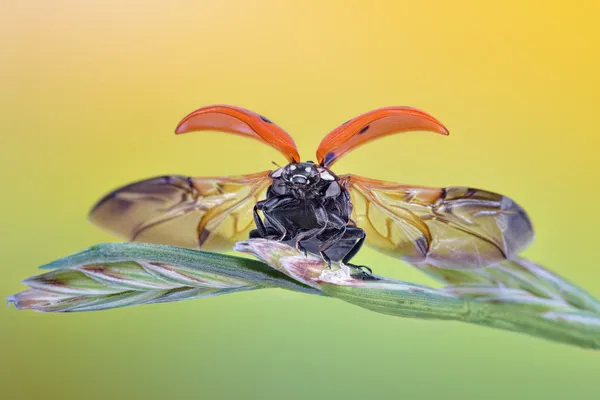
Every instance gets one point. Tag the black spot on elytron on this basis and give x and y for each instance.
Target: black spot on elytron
(190, 183)
(328, 157)
(444, 193)
(265, 119)
(363, 130)
(168, 180)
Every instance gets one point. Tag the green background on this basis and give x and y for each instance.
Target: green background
(90, 95)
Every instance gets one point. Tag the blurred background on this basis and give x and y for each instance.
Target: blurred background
(92, 91)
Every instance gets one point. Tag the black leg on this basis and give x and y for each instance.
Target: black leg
(337, 227)
(361, 268)
(321, 221)
(332, 240)
(275, 211)
(279, 228)
(360, 234)
(335, 222)
(262, 231)
(311, 233)
(326, 259)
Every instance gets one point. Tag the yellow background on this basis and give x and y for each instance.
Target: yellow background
(91, 92)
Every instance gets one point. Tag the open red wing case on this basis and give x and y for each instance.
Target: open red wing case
(373, 125)
(242, 122)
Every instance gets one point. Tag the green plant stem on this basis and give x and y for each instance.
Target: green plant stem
(518, 295)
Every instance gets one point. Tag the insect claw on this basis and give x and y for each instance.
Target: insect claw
(301, 248)
(362, 271)
(326, 259)
(367, 268)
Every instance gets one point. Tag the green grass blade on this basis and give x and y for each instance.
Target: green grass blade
(517, 295)
(520, 297)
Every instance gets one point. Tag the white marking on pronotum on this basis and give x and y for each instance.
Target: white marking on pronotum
(277, 173)
(325, 175)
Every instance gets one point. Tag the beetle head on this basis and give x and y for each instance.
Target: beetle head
(302, 175)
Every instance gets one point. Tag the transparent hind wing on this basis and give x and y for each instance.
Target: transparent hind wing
(455, 227)
(201, 213)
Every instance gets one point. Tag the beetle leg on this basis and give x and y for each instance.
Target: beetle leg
(301, 248)
(271, 209)
(321, 217)
(279, 227)
(359, 234)
(326, 259)
(262, 231)
(309, 234)
(337, 223)
(362, 268)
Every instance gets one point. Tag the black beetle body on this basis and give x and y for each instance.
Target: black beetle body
(307, 207)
